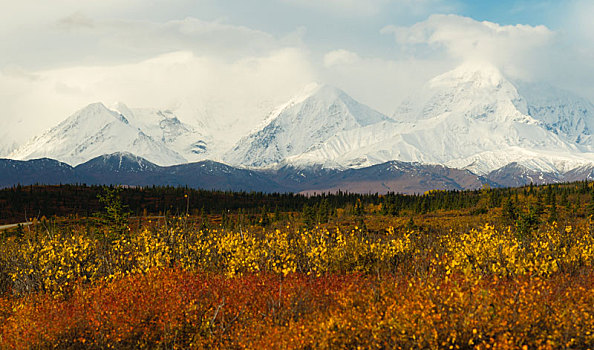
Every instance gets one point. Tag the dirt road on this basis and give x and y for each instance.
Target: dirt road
(7, 227)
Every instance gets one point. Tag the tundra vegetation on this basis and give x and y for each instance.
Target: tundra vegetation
(487, 269)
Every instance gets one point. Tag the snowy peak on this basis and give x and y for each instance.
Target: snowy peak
(478, 75)
(471, 118)
(472, 90)
(93, 131)
(559, 111)
(338, 104)
(298, 126)
(483, 121)
(165, 127)
(95, 115)
(326, 104)
(161, 124)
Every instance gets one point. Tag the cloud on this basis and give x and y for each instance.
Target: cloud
(136, 39)
(343, 7)
(579, 22)
(510, 47)
(32, 13)
(75, 21)
(232, 96)
(338, 57)
(94, 32)
(377, 82)
(201, 37)
(369, 8)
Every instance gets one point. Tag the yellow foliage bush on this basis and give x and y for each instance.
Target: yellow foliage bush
(40, 261)
(502, 252)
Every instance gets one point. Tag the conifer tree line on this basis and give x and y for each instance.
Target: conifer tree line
(526, 206)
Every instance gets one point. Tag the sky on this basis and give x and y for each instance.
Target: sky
(230, 62)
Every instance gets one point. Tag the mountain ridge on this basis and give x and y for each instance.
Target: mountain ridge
(93, 131)
(300, 125)
(402, 177)
(470, 118)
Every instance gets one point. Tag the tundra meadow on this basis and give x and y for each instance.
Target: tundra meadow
(501, 269)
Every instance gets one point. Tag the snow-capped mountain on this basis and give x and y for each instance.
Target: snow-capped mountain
(96, 130)
(469, 118)
(472, 118)
(560, 111)
(164, 126)
(299, 125)
(7, 148)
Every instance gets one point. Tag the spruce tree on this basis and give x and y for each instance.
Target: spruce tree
(527, 222)
(308, 216)
(553, 215)
(509, 211)
(115, 215)
(590, 206)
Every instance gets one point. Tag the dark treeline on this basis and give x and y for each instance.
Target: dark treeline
(23, 202)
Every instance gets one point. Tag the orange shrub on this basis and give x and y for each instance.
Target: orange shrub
(176, 309)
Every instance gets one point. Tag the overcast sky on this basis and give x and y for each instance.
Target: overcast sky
(237, 59)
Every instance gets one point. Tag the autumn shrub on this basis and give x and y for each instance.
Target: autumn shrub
(53, 261)
(501, 252)
(178, 286)
(41, 261)
(177, 309)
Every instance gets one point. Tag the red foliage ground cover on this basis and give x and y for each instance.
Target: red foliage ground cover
(177, 309)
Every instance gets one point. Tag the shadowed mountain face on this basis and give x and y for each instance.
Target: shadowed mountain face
(515, 175)
(400, 177)
(42, 171)
(397, 177)
(127, 169)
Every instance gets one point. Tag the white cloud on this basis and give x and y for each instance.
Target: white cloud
(512, 47)
(338, 57)
(368, 8)
(342, 7)
(33, 14)
(579, 22)
(77, 38)
(233, 95)
(380, 83)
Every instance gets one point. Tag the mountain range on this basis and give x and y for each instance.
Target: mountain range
(393, 176)
(462, 129)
